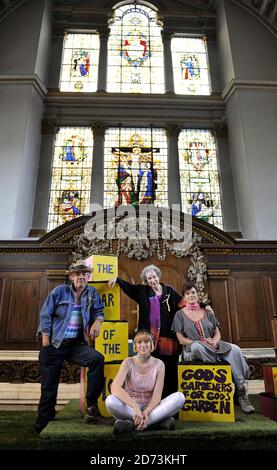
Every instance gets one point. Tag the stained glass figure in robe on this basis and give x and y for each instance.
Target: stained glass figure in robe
(136, 178)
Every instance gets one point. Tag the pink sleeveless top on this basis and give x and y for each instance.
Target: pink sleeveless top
(140, 385)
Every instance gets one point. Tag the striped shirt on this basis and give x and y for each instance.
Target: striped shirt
(75, 324)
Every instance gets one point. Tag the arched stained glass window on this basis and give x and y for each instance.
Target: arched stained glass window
(80, 62)
(200, 189)
(71, 175)
(190, 67)
(135, 52)
(135, 167)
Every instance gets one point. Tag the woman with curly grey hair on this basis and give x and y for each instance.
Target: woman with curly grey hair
(147, 269)
(158, 304)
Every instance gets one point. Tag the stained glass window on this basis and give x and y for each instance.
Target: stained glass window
(200, 189)
(190, 68)
(71, 175)
(135, 52)
(135, 167)
(80, 62)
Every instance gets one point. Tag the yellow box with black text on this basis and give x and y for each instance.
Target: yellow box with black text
(104, 267)
(110, 299)
(110, 371)
(113, 340)
(208, 390)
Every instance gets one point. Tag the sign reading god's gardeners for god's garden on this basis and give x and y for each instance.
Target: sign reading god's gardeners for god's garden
(208, 390)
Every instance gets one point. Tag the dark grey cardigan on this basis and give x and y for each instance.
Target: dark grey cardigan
(187, 327)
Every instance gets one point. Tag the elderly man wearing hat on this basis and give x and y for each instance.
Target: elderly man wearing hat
(69, 315)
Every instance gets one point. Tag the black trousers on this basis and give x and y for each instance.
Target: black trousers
(51, 360)
(171, 373)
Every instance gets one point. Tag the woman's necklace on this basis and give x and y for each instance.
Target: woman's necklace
(193, 307)
(143, 358)
(194, 312)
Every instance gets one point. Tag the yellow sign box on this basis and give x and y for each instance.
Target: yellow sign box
(208, 390)
(113, 340)
(110, 299)
(110, 371)
(104, 267)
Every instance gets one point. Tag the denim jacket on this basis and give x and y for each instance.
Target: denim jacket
(56, 311)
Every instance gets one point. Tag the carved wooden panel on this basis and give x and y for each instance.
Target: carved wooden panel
(2, 318)
(250, 319)
(273, 295)
(23, 311)
(244, 299)
(21, 302)
(1, 301)
(220, 303)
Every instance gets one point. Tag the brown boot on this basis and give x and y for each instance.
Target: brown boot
(94, 416)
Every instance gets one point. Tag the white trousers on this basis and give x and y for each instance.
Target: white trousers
(169, 406)
(234, 357)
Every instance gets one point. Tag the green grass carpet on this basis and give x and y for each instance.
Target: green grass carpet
(249, 432)
(68, 431)
(16, 430)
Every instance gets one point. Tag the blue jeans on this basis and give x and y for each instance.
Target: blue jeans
(51, 361)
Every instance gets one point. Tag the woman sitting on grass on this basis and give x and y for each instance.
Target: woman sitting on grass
(135, 401)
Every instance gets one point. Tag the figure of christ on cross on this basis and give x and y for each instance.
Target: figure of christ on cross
(136, 175)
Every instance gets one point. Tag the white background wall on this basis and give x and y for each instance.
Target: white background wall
(243, 60)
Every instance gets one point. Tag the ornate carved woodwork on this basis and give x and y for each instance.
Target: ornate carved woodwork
(29, 371)
(238, 277)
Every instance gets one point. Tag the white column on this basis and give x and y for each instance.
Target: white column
(49, 129)
(211, 44)
(56, 57)
(168, 66)
(103, 59)
(174, 187)
(251, 102)
(27, 38)
(227, 192)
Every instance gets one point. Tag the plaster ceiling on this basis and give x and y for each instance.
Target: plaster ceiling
(264, 10)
